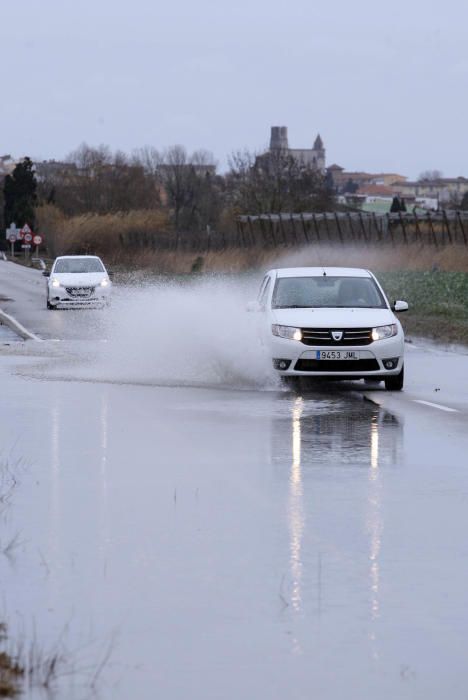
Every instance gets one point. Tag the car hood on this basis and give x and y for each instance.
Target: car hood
(333, 318)
(79, 279)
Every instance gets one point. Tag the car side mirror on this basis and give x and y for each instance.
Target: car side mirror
(399, 306)
(253, 306)
(46, 273)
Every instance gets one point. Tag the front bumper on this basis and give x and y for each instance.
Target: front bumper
(301, 360)
(59, 296)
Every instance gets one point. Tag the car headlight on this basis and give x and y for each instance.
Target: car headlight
(55, 282)
(382, 332)
(105, 282)
(288, 332)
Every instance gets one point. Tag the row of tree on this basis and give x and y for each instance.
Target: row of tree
(187, 186)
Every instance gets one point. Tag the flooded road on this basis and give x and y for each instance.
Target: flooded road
(181, 527)
(238, 543)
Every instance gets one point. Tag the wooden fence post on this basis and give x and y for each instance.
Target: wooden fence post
(283, 233)
(317, 231)
(293, 228)
(402, 224)
(339, 227)
(390, 228)
(462, 228)
(434, 237)
(363, 228)
(262, 229)
(447, 225)
(351, 227)
(327, 227)
(304, 228)
(418, 230)
(240, 227)
(272, 228)
(251, 231)
(378, 231)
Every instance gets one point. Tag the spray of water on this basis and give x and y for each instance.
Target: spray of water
(195, 333)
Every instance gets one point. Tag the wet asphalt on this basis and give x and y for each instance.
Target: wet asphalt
(232, 541)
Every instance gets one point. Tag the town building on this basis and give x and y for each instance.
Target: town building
(353, 181)
(307, 157)
(446, 190)
(49, 170)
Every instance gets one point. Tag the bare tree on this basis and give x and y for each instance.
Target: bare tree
(276, 182)
(149, 158)
(430, 175)
(97, 180)
(191, 187)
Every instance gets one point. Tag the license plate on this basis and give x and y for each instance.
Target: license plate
(337, 355)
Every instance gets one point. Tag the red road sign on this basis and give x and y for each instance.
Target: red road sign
(28, 237)
(37, 239)
(24, 231)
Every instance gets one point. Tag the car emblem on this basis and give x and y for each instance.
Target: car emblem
(337, 335)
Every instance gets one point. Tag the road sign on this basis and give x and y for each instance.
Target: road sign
(37, 239)
(28, 237)
(12, 237)
(26, 246)
(24, 231)
(12, 231)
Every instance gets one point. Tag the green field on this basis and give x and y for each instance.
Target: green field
(438, 302)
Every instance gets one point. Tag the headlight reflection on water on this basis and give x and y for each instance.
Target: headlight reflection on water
(296, 508)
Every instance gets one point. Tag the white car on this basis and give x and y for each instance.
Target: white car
(331, 322)
(78, 280)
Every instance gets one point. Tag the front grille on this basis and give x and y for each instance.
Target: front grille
(80, 292)
(336, 365)
(323, 336)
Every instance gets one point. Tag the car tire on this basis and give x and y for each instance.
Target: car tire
(50, 306)
(395, 383)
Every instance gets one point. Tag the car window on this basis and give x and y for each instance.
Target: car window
(77, 265)
(327, 292)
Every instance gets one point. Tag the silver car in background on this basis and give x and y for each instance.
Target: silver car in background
(78, 280)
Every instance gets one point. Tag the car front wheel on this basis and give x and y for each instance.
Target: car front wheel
(395, 383)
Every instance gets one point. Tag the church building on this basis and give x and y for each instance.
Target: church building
(309, 157)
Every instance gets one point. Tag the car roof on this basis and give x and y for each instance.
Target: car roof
(61, 257)
(320, 272)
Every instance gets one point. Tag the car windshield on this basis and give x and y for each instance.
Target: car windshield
(79, 265)
(327, 292)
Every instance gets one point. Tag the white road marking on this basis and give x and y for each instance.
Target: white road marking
(17, 327)
(437, 405)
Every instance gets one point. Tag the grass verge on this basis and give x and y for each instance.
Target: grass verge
(438, 302)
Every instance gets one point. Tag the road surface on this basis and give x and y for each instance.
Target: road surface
(226, 538)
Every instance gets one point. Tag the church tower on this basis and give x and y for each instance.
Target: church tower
(279, 138)
(319, 153)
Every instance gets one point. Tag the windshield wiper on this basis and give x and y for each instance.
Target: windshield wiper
(293, 306)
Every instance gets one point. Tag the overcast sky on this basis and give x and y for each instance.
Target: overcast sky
(384, 83)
